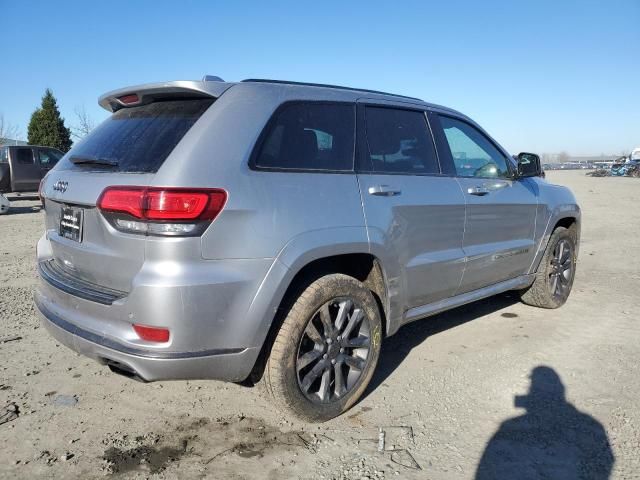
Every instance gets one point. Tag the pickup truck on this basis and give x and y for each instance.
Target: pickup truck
(22, 167)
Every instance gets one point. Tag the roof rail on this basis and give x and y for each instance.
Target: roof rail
(304, 84)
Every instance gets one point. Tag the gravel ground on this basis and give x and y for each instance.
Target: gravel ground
(495, 386)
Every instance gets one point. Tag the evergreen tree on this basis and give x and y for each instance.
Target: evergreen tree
(47, 126)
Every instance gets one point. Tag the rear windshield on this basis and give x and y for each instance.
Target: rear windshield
(138, 139)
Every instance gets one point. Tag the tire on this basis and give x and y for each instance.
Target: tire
(553, 282)
(313, 391)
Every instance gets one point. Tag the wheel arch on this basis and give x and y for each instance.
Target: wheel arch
(568, 217)
(360, 265)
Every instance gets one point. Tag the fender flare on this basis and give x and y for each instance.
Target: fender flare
(559, 213)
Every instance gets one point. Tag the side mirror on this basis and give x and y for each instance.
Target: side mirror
(529, 165)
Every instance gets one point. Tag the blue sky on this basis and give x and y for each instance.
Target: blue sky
(542, 76)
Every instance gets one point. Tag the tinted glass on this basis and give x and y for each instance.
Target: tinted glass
(399, 141)
(309, 136)
(49, 157)
(24, 156)
(140, 138)
(4, 155)
(473, 153)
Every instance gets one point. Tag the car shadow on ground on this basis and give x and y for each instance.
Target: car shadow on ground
(551, 440)
(396, 348)
(15, 210)
(14, 197)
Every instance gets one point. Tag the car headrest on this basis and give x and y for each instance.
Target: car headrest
(308, 145)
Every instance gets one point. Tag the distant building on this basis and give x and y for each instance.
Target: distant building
(593, 158)
(11, 141)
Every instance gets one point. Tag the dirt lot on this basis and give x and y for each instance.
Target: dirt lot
(453, 379)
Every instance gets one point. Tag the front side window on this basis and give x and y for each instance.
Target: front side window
(49, 157)
(309, 136)
(24, 156)
(474, 155)
(399, 141)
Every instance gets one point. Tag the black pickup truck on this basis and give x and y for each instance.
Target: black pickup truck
(23, 166)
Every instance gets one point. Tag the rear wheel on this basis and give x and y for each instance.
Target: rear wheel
(556, 272)
(326, 350)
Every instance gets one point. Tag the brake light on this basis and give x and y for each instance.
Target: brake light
(152, 334)
(161, 211)
(167, 205)
(129, 99)
(123, 200)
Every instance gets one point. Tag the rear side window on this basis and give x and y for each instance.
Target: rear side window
(49, 157)
(139, 139)
(24, 156)
(399, 141)
(309, 136)
(4, 155)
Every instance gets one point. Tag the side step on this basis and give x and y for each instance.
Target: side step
(517, 283)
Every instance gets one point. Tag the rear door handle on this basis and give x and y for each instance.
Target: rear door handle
(480, 191)
(384, 191)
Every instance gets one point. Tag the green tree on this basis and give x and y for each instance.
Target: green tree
(47, 126)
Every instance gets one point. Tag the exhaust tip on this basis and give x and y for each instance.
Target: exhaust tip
(123, 369)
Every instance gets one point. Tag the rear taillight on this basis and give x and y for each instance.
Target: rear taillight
(161, 211)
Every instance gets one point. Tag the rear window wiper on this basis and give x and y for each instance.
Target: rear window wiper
(93, 161)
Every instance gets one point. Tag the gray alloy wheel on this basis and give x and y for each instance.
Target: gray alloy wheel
(333, 351)
(561, 273)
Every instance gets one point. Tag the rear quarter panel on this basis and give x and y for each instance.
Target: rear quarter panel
(288, 218)
(265, 210)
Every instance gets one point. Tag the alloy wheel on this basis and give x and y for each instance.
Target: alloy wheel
(334, 351)
(561, 269)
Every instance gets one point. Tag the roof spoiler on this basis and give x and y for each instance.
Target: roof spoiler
(147, 93)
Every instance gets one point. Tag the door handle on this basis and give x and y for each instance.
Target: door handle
(480, 191)
(384, 191)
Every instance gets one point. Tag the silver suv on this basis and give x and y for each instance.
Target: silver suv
(280, 231)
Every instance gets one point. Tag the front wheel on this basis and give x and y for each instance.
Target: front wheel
(556, 272)
(326, 350)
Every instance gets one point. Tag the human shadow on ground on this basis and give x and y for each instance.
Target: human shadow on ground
(552, 440)
(396, 348)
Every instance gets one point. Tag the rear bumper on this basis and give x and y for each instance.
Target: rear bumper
(218, 313)
(232, 364)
